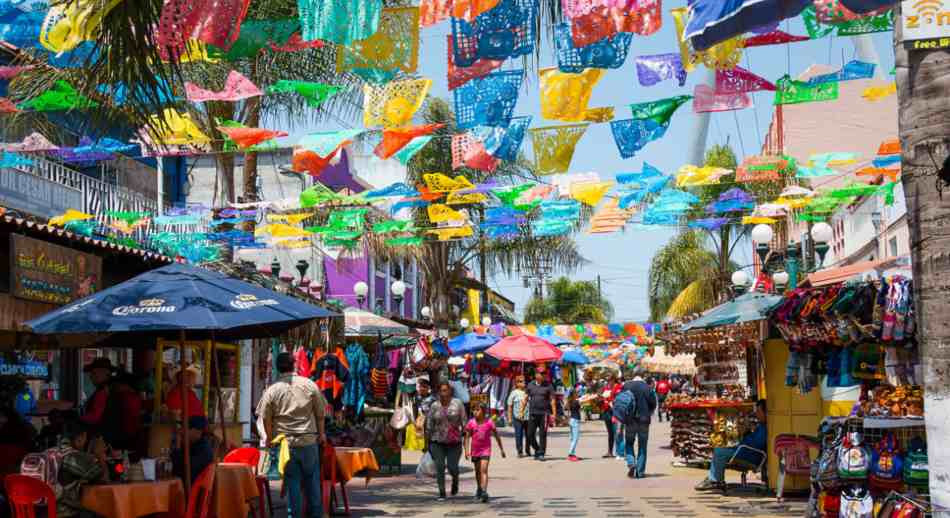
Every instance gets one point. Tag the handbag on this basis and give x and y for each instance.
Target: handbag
(414, 439)
(401, 418)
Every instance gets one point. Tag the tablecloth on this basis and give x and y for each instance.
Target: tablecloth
(234, 488)
(350, 461)
(135, 499)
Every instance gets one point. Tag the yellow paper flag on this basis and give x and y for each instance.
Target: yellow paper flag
(692, 176)
(755, 220)
(69, 216)
(590, 193)
(465, 199)
(439, 213)
(564, 96)
(438, 182)
(876, 93)
(176, 129)
(292, 219)
(393, 104)
(554, 147)
(724, 55)
(281, 230)
(68, 24)
(444, 234)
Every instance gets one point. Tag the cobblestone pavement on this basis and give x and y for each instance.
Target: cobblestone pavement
(592, 487)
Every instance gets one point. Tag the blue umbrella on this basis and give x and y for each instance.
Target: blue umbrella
(555, 339)
(573, 356)
(178, 298)
(715, 21)
(471, 343)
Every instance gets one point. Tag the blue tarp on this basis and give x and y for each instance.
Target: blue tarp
(744, 308)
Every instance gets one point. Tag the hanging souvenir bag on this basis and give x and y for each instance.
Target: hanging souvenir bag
(379, 376)
(880, 305)
(905, 509)
(853, 459)
(415, 441)
(868, 362)
(916, 468)
(826, 474)
(856, 502)
(886, 465)
(830, 505)
(401, 418)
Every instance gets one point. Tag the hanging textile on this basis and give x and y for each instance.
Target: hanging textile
(395, 46)
(850, 71)
(505, 31)
(772, 38)
(32, 143)
(68, 24)
(876, 93)
(610, 52)
(733, 200)
(723, 55)
(393, 104)
(660, 67)
(314, 93)
(764, 168)
(504, 143)
(740, 80)
(61, 96)
(458, 76)
(705, 99)
(7, 106)
(659, 111)
(590, 193)
(447, 233)
(693, 176)
(708, 223)
(408, 151)
(397, 138)
(432, 12)
(489, 100)
(213, 22)
(326, 143)
(236, 87)
(565, 96)
(468, 151)
(631, 135)
(554, 147)
(339, 21)
(438, 182)
(247, 137)
(644, 18)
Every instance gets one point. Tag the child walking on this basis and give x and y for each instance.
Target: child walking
(574, 407)
(478, 434)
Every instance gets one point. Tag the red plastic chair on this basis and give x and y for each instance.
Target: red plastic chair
(252, 457)
(794, 457)
(25, 492)
(199, 501)
(329, 481)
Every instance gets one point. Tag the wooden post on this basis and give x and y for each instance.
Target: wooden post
(217, 378)
(186, 444)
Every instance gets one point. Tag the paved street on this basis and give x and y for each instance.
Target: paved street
(594, 487)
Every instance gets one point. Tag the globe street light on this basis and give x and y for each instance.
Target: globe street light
(463, 323)
(740, 281)
(398, 289)
(780, 278)
(486, 321)
(822, 233)
(426, 312)
(762, 236)
(360, 289)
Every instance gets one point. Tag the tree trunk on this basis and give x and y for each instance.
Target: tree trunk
(923, 86)
(253, 120)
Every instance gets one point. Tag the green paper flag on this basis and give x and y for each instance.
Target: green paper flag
(853, 190)
(866, 25)
(62, 96)
(405, 241)
(385, 227)
(315, 93)
(255, 36)
(790, 91)
(659, 111)
(414, 146)
(814, 218)
(126, 216)
(509, 195)
(888, 191)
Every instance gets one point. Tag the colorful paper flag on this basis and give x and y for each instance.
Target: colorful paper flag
(554, 147)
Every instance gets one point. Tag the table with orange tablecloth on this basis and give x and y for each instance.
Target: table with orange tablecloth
(135, 499)
(234, 488)
(350, 461)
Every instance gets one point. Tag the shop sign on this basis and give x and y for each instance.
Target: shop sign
(26, 368)
(925, 24)
(36, 195)
(54, 274)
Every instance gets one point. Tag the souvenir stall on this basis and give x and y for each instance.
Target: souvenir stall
(669, 364)
(859, 338)
(719, 407)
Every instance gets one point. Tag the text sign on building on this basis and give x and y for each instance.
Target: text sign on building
(51, 273)
(925, 24)
(36, 195)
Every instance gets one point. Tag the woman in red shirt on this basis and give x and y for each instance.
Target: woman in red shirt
(611, 389)
(173, 400)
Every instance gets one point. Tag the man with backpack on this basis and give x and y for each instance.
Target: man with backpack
(637, 417)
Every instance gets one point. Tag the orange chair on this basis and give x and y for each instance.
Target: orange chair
(252, 458)
(328, 472)
(25, 492)
(199, 501)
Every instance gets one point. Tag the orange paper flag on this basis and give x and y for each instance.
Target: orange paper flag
(397, 138)
(247, 137)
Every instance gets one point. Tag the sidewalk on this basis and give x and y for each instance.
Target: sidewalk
(593, 487)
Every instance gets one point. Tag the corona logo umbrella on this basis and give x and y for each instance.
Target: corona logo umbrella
(524, 348)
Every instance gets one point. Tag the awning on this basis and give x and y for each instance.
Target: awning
(363, 323)
(845, 273)
(744, 308)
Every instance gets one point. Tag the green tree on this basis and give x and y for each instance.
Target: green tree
(682, 278)
(569, 302)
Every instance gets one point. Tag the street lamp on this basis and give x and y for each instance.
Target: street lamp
(275, 268)
(740, 281)
(463, 324)
(486, 320)
(780, 278)
(762, 235)
(398, 289)
(426, 312)
(822, 233)
(360, 289)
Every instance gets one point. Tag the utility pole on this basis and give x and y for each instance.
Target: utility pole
(600, 294)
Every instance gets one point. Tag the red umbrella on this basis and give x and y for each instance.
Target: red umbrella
(524, 348)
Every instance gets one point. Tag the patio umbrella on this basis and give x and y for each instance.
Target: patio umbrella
(524, 348)
(574, 356)
(469, 343)
(363, 323)
(555, 339)
(745, 308)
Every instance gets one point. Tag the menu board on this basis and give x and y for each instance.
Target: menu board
(54, 274)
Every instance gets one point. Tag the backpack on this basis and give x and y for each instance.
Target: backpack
(886, 465)
(916, 470)
(44, 466)
(856, 502)
(853, 459)
(625, 407)
(825, 468)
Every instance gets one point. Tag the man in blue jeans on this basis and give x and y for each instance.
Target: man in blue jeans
(637, 426)
(757, 439)
(293, 410)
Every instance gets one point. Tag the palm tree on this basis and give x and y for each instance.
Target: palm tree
(683, 277)
(569, 302)
(924, 103)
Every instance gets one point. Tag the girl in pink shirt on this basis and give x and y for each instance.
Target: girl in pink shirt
(478, 434)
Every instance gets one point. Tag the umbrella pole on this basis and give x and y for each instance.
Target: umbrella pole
(186, 444)
(216, 367)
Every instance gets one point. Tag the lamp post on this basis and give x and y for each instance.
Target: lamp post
(360, 289)
(762, 235)
(780, 278)
(463, 324)
(275, 268)
(302, 267)
(486, 320)
(426, 312)
(822, 233)
(740, 282)
(398, 289)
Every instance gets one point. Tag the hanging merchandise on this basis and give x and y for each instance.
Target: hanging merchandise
(394, 47)
(790, 91)
(660, 67)
(489, 100)
(554, 147)
(643, 18)
(712, 21)
(61, 96)
(763, 168)
(705, 99)
(502, 32)
(458, 76)
(565, 96)
(722, 55)
(236, 88)
(772, 38)
(631, 135)
(740, 80)
(314, 93)
(658, 111)
(339, 21)
(609, 52)
(397, 138)
(504, 143)
(392, 105)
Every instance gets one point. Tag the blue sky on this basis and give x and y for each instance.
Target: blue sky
(622, 259)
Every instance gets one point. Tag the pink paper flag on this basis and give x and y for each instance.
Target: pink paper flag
(215, 22)
(468, 151)
(11, 72)
(706, 100)
(34, 142)
(236, 87)
(432, 12)
(296, 42)
(739, 80)
(7, 106)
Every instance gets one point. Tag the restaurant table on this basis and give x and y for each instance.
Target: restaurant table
(234, 488)
(352, 461)
(135, 499)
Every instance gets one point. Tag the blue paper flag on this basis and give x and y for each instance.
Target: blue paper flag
(13, 160)
(504, 143)
(632, 134)
(560, 209)
(500, 231)
(733, 200)
(849, 72)
(406, 204)
(646, 173)
(489, 100)
(886, 161)
(708, 223)
(606, 53)
(396, 189)
(505, 31)
(547, 228)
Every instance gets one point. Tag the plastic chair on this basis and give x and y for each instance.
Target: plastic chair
(199, 501)
(25, 493)
(328, 481)
(744, 460)
(794, 457)
(252, 457)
